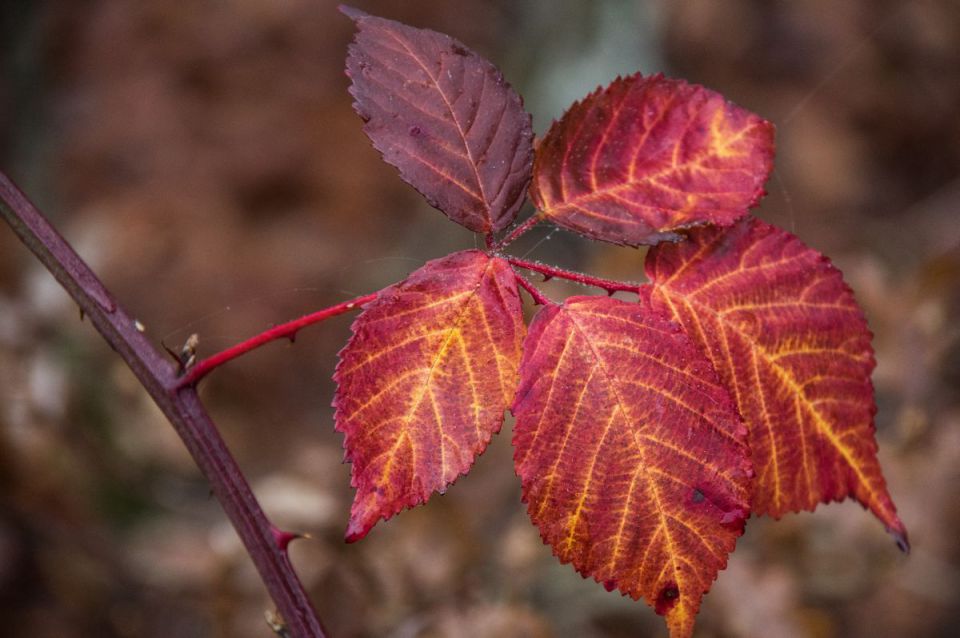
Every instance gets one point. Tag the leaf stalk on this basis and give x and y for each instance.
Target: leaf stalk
(610, 285)
(515, 234)
(538, 297)
(286, 330)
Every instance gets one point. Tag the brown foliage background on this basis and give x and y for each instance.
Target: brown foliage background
(204, 158)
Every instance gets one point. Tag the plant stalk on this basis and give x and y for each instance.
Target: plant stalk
(517, 232)
(610, 285)
(180, 404)
(286, 330)
(538, 297)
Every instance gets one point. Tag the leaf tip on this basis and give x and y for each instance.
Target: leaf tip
(353, 535)
(362, 520)
(352, 12)
(900, 537)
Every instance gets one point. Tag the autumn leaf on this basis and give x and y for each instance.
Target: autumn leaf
(632, 456)
(424, 381)
(445, 117)
(787, 337)
(637, 161)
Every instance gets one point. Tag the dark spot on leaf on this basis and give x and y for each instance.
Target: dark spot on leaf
(459, 50)
(697, 496)
(415, 131)
(667, 598)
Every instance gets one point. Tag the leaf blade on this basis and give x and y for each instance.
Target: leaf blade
(756, 294)
(611, 461)
(645, 157)
(424, 381)
(444, 117)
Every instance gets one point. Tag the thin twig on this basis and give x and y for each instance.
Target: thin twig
(181, 405)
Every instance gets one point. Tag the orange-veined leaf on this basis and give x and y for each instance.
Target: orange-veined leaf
(636, 161)
(445, 117)
(787, 337)
(632, 456)
(424, 381)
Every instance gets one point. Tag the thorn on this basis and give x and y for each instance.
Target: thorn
(276, 624)
(610, 291)
(292, 337)
(173, 355)
(547, 278)
(187, 355)
(283, 537)
(139, 327)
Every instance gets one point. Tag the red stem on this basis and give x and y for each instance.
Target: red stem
(283, 331)
(181, 405)
(530, 222)
(610, 285)
(538, 297)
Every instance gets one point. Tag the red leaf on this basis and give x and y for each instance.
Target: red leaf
(632, 456)
(424, 381)
(645, 157)
(787, 337)
(445, 117)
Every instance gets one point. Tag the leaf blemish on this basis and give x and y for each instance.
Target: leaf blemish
(667, 598)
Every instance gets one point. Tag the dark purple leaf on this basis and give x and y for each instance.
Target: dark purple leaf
(445, 117)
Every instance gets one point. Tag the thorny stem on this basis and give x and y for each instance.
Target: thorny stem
(538, 297)
(283, 331)
(610, 285)
(530, 222)
(180, 404)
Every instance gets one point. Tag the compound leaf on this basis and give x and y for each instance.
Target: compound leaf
(632, 457)
(424, 381)
(787, 337)
(636, 161)
(445, 117)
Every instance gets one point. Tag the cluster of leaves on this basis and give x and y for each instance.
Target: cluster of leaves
(646, 432)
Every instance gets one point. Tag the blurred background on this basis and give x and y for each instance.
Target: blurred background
(204, 158)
